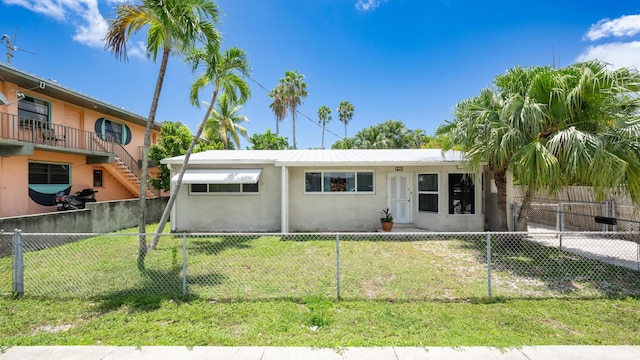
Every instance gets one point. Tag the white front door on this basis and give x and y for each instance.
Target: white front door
(399, 196)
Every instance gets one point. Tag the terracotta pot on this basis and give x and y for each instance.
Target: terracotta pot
(386, 225)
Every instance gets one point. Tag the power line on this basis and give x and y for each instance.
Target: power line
(297, 111)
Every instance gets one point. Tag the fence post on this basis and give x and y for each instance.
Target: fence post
(489, 263)
(338, 265)
(184, 264)
(18, 263)
(561, 224)
(638, 254)
(514, 217)
(605, 213)
(613, 214)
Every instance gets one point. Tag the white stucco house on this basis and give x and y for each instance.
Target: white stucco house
(329, 190)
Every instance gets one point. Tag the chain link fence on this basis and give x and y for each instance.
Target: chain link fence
(353, 266)
(581, 216)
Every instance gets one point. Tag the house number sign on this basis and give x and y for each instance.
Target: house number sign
(399, 168)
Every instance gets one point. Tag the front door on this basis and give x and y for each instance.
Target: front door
(399, 196)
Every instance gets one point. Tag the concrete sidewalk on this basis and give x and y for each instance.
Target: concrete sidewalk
(295, 353)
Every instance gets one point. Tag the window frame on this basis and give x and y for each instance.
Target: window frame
(345, 171)
(49, 173)
(429, 192)
(242, 191)
(30, 122)
(123, 131)
(451, 191)
(100, 174)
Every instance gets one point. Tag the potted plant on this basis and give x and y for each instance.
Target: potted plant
(386, 220)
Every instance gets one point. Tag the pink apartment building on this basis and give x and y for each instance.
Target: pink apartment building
(53, 139)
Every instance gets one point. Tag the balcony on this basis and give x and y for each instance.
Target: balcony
(20, 136)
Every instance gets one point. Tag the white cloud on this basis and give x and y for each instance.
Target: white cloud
(369, 5)
(50, 8)
(83, 14)
(628, 25)
(137, 50)
(618, 54)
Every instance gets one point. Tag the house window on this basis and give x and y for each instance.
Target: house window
(339, 182)
(97, 178)
(33, 113)
(461, 194)
(49, 174)
(428, 192)
(223, 188)
(112, 131)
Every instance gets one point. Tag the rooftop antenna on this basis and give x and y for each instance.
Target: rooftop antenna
(553, 56)
(12, 49)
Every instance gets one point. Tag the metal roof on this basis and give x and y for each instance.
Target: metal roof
(317, 158)
(51, 88)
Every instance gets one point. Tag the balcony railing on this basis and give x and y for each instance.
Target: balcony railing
(44, 133)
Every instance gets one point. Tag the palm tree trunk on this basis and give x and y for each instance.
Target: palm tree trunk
(277, 127)
(501, 184)
(142, 220)
(323, 125)
(521, 223)
(293, 120)
(176, 190)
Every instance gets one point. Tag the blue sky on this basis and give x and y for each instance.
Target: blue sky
(408, 60)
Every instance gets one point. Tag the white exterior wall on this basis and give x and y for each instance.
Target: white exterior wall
(342, 211)
(361, 212)
(319, 211)
(231, 213)
(443, 221)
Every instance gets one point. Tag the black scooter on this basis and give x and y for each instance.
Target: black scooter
(75, 201)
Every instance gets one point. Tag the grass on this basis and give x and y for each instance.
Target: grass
(319, 322)
(267, 290)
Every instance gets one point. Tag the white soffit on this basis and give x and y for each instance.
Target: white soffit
(219, 176)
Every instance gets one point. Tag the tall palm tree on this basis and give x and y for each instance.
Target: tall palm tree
(173, 25)
(224, 122)
(345, 113)
(294, 90)
(279, 105)
(224, 72)
(324, 116)
(552, 126)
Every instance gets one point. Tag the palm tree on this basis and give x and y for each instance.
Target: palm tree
(345, 112)
(324, 116)
(552, 126)
(478, 129)
(278, 106)
(221, 71)
(224, 122)
(294, 90)
(173, 25)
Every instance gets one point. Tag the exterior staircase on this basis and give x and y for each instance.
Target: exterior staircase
(126, 176)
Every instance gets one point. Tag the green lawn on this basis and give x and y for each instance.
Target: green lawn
(267, 290)
(154, 321)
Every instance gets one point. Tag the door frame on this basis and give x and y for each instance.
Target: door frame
(409, 196)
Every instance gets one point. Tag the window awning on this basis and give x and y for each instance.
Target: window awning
(219, 176)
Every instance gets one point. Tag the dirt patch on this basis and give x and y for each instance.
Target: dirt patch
(51, 329)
